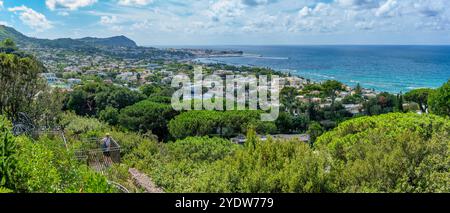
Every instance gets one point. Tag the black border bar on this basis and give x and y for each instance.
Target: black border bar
(167, 201)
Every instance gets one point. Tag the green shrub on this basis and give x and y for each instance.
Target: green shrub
(390, 153)
(211, 123)
(7, 153)
(77, 125)
(5, 190)
(269, 167)
(439, 101)
(110, 115)
(145, 116)
(200, 149)
(46, 166)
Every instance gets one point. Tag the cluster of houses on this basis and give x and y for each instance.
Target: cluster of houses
(125, 78)
(111, 70)
(55, 82)
(296, 82)
(314, 97)
(126, 72)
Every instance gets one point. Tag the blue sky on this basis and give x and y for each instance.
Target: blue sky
(257, 22)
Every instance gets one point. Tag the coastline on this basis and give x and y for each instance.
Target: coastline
(390, 69)
(204, 60)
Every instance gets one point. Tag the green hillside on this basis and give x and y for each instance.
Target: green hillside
(84, 43)
(9, 32)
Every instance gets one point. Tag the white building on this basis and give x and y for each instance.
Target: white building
(73, 81)
(50, 78)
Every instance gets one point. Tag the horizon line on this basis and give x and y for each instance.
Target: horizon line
(325, 44)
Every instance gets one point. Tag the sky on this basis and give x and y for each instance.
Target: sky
(235, 22)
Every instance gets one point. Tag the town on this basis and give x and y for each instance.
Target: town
(96, 115)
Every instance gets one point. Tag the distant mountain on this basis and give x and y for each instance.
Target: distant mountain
(83, 43)
(118, 46)
(9, 32)
(117, 41)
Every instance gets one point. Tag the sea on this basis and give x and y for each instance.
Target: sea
(394, 69)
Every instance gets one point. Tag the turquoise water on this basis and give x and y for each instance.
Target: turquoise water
(383, 68)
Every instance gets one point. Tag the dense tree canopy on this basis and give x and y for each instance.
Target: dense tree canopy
(390, 153)
(152, 90)
(314, 131)
(202, 164)
(8, 46)
(288, 97)
(226, 123)
(110, 115)
(200, 149)
(358, 89)
(419, 96)
(330, 88)
(381, 104)
(439, 101)
(147, 116)
(387, 153)
(92, 98)
(19, 83)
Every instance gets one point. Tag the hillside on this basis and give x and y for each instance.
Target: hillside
(117, 46)
(116, 41)
(22, 40)
(9, 32)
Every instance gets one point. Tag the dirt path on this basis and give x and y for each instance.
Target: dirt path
(144, 181)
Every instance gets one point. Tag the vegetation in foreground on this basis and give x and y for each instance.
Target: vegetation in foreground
(392, 152)
(44, 166)
(387, 153)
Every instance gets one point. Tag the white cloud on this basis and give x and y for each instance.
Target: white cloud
(430, 9)
(31, 18)
(257, 2)
(1, 4)
(322, 9)
(226, 9)
(386, 8)
(68, 4)
(146, 24)
(108, 20)
(306, 11)
(135, 2)
(219, 20)
(360, 4)
(260, 24)
(63, 13)
(322, 18)
(116, 28)
(363, 25)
